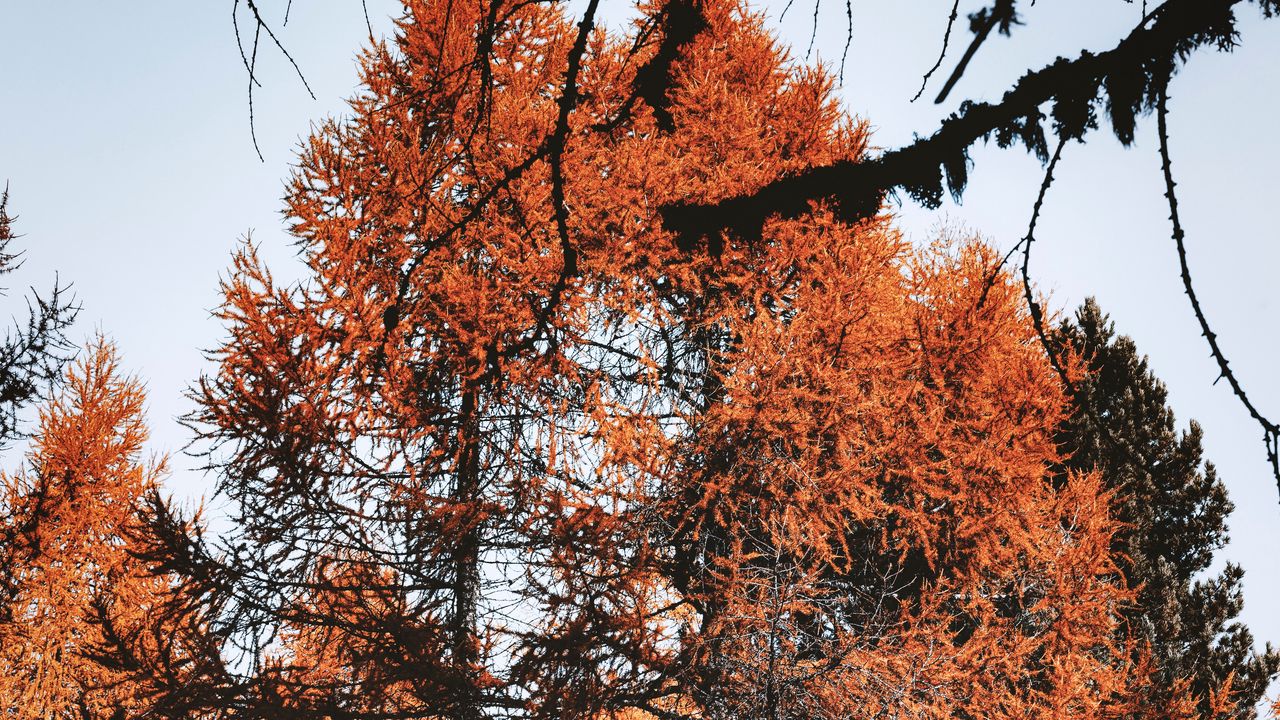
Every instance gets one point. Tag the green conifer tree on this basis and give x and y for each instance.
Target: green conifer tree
(1174, 509)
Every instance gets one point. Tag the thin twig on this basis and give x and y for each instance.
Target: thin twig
(813, 28)
(262, 25)
(946, 41)
(253, 63)
(235, 25)
(250, 60)
(848, 36)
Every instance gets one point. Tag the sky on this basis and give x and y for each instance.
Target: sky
(124, 137)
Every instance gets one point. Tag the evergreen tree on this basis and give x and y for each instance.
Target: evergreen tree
(1174, 509)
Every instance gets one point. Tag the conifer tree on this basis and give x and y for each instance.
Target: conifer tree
(1173, 509)
(71, 512)
(1122, 84)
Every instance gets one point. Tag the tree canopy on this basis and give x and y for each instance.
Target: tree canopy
(75, 587)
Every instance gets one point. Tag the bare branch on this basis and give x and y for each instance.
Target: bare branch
(1003, 14)
(946, 41)
(1270, 431)
(1037, 313)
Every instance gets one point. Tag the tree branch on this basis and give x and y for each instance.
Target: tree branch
(857, 188)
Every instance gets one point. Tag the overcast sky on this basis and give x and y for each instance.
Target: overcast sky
(124, 136)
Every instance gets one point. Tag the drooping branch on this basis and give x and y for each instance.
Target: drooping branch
(1033, 305)
(1270, 430)
(250, 59)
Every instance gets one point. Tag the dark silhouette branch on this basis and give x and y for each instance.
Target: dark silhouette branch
(253, 63)
(1002, 14)
(679, 22)
(848, 36)
(250, 60)
(560, 140)
(34, 352)
(857, 187)
(262, 25)
(942, 55)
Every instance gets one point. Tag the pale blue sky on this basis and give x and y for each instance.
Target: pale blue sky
(124, 136)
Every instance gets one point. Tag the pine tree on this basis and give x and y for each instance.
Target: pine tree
(71, 513)
(1173, 509)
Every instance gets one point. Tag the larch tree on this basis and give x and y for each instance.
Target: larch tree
(1173, 509)
(32, 357)
(512, 449)
(72, 512)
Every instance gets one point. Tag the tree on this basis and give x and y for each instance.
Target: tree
(871, 528)
(1172, 510)
(31, 359)
(72, 512)
(512, 449)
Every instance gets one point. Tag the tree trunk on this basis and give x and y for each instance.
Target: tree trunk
(465, 559)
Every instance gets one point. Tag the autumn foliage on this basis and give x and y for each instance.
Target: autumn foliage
(509, 449)
(73, 587)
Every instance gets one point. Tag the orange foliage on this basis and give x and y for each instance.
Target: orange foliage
(71, 513)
